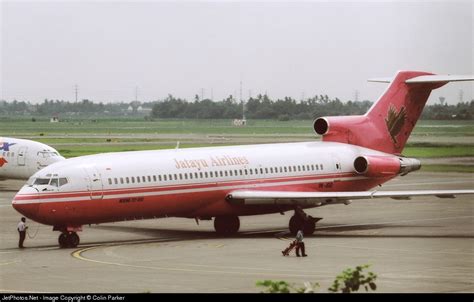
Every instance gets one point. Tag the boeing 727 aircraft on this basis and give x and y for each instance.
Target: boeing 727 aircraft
(357, 153)
(21, 158)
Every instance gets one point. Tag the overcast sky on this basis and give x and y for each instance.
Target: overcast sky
(291, 49)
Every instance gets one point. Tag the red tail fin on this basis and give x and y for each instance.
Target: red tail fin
(388, 124)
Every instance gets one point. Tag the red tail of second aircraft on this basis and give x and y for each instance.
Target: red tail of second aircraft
(388, 124)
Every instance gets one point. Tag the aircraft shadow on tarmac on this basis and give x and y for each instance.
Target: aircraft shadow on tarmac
(326, 231)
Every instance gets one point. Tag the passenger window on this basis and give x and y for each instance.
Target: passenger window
(266, 170)
(115, 180)
(312, 167)
(127, 180)
(240, 172)
(121, 180)
(251, 171)
(154, 178)
(256, 171)
(185, 175)
(133, 180)
(221, 173)
(271, 169)
(196, 175)
(261, 170)
(321, 166)
(246, 172)
(180, 176)
(164, 177)
(285, 170)
(170, 177)
(230, 172)
(138, 179)
(200, 174)
(289, 169)
(205, 174)
(190, 175)
(175, 177)
(304, 168)
(110, 181)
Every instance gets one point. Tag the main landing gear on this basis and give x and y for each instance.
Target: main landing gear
(68, 237)
(226, 225)
(302, 220)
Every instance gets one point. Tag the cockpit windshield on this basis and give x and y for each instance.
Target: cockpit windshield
(52, 180)
(47, 154)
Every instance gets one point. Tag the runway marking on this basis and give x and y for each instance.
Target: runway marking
(12, 262)
(78, 255)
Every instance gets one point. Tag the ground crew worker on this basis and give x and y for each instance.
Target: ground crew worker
(22, 231)
(300, 244)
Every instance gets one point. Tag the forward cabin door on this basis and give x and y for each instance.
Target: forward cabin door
(94, 183)
(22, 156)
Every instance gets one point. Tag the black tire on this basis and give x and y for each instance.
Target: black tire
(309, 227)
(226, 225)
(295, 224)
(73, 240)
(63, 240)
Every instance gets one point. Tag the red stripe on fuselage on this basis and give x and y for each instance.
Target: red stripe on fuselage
(53, 195)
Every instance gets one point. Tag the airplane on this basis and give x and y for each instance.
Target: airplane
(356, 154)
(21, 158)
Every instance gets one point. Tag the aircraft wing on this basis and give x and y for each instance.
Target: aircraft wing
(316, 199)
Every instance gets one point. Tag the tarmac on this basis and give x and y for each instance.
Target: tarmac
(421, 245)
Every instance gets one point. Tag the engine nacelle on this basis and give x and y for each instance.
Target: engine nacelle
(385, 166)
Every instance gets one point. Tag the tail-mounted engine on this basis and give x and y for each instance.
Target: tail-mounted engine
(385, 166)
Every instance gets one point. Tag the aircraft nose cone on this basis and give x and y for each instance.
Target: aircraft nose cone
(26, 202)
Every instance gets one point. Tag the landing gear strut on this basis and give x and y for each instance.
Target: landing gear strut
(301, 220)
(226, 225)
(68, 240)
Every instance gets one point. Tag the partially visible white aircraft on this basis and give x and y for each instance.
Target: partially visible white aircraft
(21, 158)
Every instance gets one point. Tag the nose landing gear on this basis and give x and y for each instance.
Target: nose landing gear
(68, 237)
(68, 240)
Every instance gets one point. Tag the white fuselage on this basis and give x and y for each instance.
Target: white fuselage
(184, 182)
(21, 158)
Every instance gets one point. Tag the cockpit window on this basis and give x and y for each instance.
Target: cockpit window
(41, 181)
(62, 181)
(54, 181)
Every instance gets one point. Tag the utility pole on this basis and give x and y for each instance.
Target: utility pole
(461, 95)
(75, 91)
(136, 93)
(356, 96)
(202, 94)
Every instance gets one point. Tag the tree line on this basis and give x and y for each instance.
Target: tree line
(259, 107)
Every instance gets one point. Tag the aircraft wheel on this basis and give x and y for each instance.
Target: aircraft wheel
(295, 224)
(63, 240)
(309, 227)
(226, 225)
(73, 240)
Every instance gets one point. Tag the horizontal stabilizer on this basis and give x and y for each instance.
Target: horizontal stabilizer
(440, 78)
(429, 79)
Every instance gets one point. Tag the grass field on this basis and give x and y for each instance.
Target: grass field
(430, 139)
